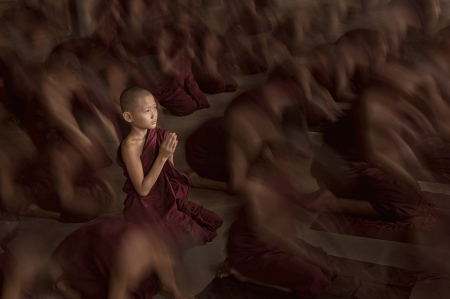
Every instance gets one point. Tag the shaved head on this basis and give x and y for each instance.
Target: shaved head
(130, 97)
(59, 60)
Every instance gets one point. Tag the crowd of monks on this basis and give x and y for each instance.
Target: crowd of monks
(78, 74)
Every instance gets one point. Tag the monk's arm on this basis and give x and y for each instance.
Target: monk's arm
(107, 125)
(131, 157)
(142, 184)
(418, 117)
(60, 113)
(410, 157)
(379, 156)
(340, 70)
(237, 164)
(166, 62)
(242, 141)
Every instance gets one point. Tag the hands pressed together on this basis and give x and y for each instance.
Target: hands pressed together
(168, 146)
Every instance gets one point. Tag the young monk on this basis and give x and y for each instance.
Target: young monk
(109, 259)
(57, 133)
(263, 247)
(174, 85)
(207, 149)
(207, 71)
(156, 191)
(425, 95)
(368, 171)
(26, 187)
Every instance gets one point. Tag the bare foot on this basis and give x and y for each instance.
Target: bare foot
(64, 287)
(324, 199)
(30, 210)
(194, 178)
(226, 271)
(223, 271)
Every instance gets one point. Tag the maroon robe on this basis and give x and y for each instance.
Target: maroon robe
(206, 150)
(88, 255)
(167, 203)
(347, 174)
(269, 264)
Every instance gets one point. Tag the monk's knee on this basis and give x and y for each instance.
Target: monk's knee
(313, 284)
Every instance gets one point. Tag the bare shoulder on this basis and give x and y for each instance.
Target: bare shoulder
(132, 147)
(49, 93)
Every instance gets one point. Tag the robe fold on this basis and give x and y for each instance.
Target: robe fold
(88, 255)
(167, 204)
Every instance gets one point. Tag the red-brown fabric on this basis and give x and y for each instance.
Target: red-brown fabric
(206, 150)
(167, 203)
(88, 255)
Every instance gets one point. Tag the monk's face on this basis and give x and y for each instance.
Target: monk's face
(145, 115)
(71, 76)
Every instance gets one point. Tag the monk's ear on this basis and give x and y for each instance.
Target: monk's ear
(127, 116)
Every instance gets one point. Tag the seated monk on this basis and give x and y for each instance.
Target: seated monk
(415, 16)
(206, 69)
(262, 245)
(173, 83)
(60, 137)
(245, 41)
(328, 71)
(249, 15)
(252, 115)
(17, 273)
(367, 170)
(156, 191)
(102, 18)
(26, 187)
(109, 259)
(432, 146)
(142, 23)
(359, 50)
